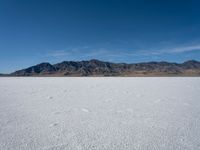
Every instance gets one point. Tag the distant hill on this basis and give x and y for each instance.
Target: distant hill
(2, 75)
(100, 68)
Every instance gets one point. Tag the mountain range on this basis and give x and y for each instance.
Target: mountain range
(100, 68)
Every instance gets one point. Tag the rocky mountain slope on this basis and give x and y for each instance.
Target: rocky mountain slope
(100, 68)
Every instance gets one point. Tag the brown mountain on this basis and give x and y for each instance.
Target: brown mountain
(99, 68)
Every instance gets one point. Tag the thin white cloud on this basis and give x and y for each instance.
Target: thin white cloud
(185, 49)
(89, 53)
(58, 53)
(171, 50)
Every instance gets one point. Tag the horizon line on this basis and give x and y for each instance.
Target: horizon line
(86, 60)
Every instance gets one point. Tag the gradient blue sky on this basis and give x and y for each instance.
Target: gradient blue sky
(34, 31)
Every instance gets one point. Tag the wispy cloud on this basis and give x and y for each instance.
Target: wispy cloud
(171, 50)
(65, 52)
(185, 49)
(88, 52)
(58, 53)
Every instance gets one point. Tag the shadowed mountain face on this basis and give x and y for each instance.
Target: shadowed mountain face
(40, 69)
(100, 68)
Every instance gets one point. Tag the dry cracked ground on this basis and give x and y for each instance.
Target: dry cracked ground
(100, 113)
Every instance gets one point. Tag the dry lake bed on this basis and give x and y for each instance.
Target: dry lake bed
(100, 113)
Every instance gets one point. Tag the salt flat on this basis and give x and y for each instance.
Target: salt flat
(99, 113)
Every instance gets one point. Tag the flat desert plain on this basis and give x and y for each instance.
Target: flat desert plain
(96, 113)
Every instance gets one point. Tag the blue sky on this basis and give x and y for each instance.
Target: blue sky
(34, 31)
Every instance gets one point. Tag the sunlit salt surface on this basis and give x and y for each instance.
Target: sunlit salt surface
(99, 113)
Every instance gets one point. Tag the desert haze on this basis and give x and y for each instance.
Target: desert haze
(99, 113)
